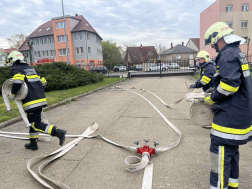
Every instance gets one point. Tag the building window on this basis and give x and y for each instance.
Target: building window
(89, 50)
(80, 36)
(43, 53)
(229, 8)
(244, 24)
(46, 53)
(62, 52)
(61, 38)
(230, 24)
(49, 40)
(78, 64)
(26, 55)
(150, 53)
(91, 63)
(190, 55)
(51, 52)
(81, 50)
(41, 41)
(35, 54)
(45, 40)
(39, 54)
(37, 42)
(83, 64)
(244, 7)
(60, 25)
(88, 37)
(76, 37)
(77, 50)
(52, 39)
(246, 38)
(178, 56)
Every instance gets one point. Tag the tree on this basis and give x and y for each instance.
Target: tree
(111, 53)
(124, 50)
(160, 49)
(16, 40)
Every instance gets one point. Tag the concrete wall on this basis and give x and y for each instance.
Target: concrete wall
(191, 45)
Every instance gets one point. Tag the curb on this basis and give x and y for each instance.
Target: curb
(17, 119)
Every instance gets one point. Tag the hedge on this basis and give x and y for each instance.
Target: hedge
(59, 76)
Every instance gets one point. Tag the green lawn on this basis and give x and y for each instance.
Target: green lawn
(54, 97)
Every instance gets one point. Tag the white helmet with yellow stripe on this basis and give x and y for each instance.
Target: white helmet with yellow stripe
(205, 55)
(13, 57)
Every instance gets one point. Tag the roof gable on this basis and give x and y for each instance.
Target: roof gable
(141, 54)
(179, 49)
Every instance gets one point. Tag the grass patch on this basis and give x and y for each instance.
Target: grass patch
(54, 97)
(197, 76)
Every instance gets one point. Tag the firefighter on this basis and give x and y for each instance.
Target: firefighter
(35, 99)
(231, 104)
(206, 73)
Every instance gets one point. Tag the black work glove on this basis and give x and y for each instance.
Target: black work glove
(192, 86)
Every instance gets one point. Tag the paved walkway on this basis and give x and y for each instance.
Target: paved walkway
(122, 117)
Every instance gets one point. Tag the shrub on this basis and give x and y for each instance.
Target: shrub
(59, 76)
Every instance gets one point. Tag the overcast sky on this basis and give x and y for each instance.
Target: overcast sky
(146, 22)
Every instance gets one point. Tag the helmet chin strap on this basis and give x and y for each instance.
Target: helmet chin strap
(216, 48)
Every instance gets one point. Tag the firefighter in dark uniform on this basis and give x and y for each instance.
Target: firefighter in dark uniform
(206, 73)
(231, 104)
(35, 99)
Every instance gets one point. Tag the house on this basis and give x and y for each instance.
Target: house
(237, 14)
(142, 54)
(194, 43)
(49, 42)
(178, 52)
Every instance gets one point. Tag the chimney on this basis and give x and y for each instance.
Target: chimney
(183, 43)
(76, 14)
(171, 45)
(141, 46)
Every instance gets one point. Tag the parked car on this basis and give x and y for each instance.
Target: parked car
(122, 68)
(132, 67)
(173, 66)
(139, 67)
(102, 70)
(156, 67)
(116, 68)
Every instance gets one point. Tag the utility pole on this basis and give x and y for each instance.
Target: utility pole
(65, 33)
(30, 44)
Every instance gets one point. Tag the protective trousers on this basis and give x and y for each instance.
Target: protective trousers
(224, 166)
(34, 118)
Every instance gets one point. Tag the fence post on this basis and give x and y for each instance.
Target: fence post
(129, 70)
(195, 68)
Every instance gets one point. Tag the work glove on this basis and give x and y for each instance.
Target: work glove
(192, 86)
(209, 101)
(11, 96)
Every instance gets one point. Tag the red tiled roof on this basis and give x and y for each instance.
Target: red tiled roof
(196, 41)
(139, 55)
(8, 50)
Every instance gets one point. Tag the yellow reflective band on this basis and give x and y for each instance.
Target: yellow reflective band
(228, 87)
(19, 77)
(43, 80)
(34, 102)
(245, 67)
(33, 126)
(209, 100)
(32, 76)
(222, 167)
(50, 129)
(33, 136)
(234, 185)
(206, 79)
(231, 130)
(218, 66)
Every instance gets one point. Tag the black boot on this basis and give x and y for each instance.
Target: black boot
(60, 133)
(32, 145)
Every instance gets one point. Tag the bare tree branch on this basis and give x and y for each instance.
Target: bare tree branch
(16, 40)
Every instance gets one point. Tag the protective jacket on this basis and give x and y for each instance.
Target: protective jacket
(35, 98)
(233, 98)
(207, 72)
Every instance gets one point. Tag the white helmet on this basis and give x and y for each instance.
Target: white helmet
(13, 57)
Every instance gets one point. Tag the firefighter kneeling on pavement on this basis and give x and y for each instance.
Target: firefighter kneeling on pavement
(206, 73)
(232, 106)
(35, 99)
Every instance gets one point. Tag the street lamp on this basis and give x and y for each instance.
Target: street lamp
(65, 33)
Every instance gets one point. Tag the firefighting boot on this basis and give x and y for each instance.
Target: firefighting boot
(60, 133)
(32, 145)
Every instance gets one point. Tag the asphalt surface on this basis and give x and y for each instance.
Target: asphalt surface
(122, 117)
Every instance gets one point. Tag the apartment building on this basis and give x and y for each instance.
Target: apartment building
(236, 13)
(49, 42)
